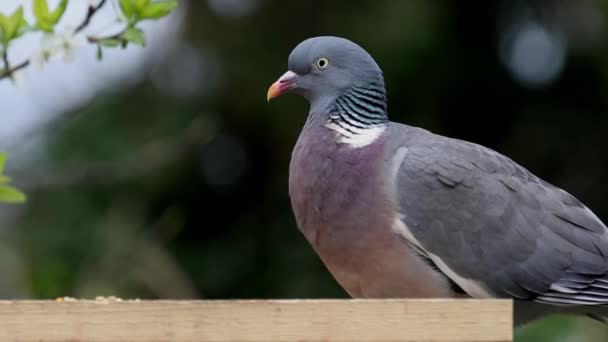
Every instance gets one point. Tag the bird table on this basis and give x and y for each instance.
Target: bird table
(103, 319)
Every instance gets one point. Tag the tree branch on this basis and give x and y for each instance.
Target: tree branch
(8, 72)
(5, 59)
(95, 40)
(90, 13)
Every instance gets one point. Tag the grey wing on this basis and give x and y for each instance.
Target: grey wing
(497, 230)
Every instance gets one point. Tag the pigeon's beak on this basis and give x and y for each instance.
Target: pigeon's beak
(282, 85)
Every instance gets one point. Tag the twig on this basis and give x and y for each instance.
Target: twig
(90, 13)
(5, 59)
(8, 72)
(94, 40)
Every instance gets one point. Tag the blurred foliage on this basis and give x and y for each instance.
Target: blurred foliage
(562, 328)
(132, 12)
(177, 187)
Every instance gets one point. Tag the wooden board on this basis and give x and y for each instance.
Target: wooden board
(268, 320)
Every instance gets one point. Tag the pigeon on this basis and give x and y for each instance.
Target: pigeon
(396, 211)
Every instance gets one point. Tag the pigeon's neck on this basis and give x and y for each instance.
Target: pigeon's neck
(359, 115)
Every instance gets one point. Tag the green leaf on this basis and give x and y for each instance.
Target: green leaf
(5, 27)
(127, 8)
(2, 162)
(158, 10)
(44, 20)
(24, 27)
(141, 4)
(8, 194)
(41, 10)
(18, 22)
(135, 36)
(99, 52)
(12, 26)
(44, 25)
(58, 12)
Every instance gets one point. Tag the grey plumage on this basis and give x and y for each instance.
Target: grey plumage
(492, 221)
(397, 211)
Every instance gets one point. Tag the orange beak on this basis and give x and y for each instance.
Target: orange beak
(282, 85)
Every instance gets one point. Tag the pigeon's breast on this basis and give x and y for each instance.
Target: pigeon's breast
(342, 208)
(333, 184)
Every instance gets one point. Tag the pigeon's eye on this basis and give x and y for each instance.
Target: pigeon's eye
(322, 63)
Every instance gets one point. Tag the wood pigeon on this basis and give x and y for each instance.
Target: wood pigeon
(397, 211)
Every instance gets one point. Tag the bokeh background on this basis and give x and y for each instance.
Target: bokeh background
(162, 172)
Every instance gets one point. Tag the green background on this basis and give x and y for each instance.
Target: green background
(147, 192)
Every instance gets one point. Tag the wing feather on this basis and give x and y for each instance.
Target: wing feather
(492, 221)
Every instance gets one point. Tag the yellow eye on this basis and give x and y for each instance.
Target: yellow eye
(322, 63)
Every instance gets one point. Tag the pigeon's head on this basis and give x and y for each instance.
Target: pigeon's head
(323, 68)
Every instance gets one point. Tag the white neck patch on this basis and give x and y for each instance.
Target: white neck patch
(356, 137)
